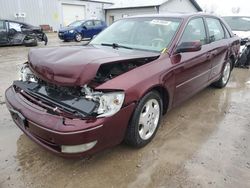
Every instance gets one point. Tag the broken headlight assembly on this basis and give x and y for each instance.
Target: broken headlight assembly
(25, 74)
(109, 103)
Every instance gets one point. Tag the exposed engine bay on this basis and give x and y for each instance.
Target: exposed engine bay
(108, 71)
(78, 101)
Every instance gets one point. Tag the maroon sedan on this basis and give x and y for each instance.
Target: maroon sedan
(80, 100)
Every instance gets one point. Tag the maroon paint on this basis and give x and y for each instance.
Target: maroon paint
(180, 75)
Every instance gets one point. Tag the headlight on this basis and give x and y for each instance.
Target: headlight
(26, 74)
(71, 31)
(110, 103)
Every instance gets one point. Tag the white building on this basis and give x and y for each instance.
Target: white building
(56, 13)
(126, 8)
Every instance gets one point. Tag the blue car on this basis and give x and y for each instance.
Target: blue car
(81, 29)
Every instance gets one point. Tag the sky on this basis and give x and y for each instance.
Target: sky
(226, 7)
(221, 7)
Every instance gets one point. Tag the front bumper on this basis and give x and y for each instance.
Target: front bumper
(53, 131)
(66, 36)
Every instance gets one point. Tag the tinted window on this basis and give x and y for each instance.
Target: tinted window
(215, 29)
(88, 24)
(98, 23)
(195, 31)
(2, 26)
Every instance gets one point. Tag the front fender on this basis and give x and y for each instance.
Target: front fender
(137, 82)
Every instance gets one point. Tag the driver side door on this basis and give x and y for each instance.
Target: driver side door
(193, 69)
(15, 34)
(88, 30)
(3, 32)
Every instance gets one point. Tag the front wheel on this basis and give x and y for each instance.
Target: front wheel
(222, 82)
(145, 120)
(78, 37)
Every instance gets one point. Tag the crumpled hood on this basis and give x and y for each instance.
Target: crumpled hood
(76, 66)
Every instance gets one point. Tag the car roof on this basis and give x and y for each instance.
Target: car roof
(16, 21)
(174, 15)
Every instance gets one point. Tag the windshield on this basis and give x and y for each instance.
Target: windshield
(153, 34)
(238, 23)
(76, 23)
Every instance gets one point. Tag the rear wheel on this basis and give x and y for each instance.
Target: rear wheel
(78, 37)
(222, 82)
(145, 120)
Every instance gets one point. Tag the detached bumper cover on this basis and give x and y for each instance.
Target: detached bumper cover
(53, 131)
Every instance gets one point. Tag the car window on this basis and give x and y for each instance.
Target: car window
(151, 34)
(98, 23)
(2, 25)
(76, 23)
(15, 26)
(215, 29)
(195, 31)
(88, 24)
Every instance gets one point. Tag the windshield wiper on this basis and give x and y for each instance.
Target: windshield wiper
(115, 45)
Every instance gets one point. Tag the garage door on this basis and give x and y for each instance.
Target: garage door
(72, 13)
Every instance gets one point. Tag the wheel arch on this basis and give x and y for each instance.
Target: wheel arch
(164, 93)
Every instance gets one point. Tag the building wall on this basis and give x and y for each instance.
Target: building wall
(177, 6)
(169, 6)
(39, 12)
(92, 9)
(121, 13)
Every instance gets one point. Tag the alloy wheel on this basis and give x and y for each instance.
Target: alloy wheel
(149, 118)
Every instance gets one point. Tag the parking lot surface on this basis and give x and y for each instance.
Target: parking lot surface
(205, 142)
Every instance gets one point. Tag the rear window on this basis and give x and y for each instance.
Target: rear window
(2, 25)
(216, 31)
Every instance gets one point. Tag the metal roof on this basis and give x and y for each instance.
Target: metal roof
(144, 3)
(99, 1)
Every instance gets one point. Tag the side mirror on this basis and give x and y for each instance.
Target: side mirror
(189, 47)
(84, 27)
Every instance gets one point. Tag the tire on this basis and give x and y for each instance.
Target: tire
(30, 41)
(225, 76)
(145, 120)
(45, 39)
(78, 37)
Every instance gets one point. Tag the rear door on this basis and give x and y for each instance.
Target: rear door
(3, 32)
(219, 45)
(193, 70)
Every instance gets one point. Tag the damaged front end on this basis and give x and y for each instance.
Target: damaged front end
(72, 102)
(244, 57)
